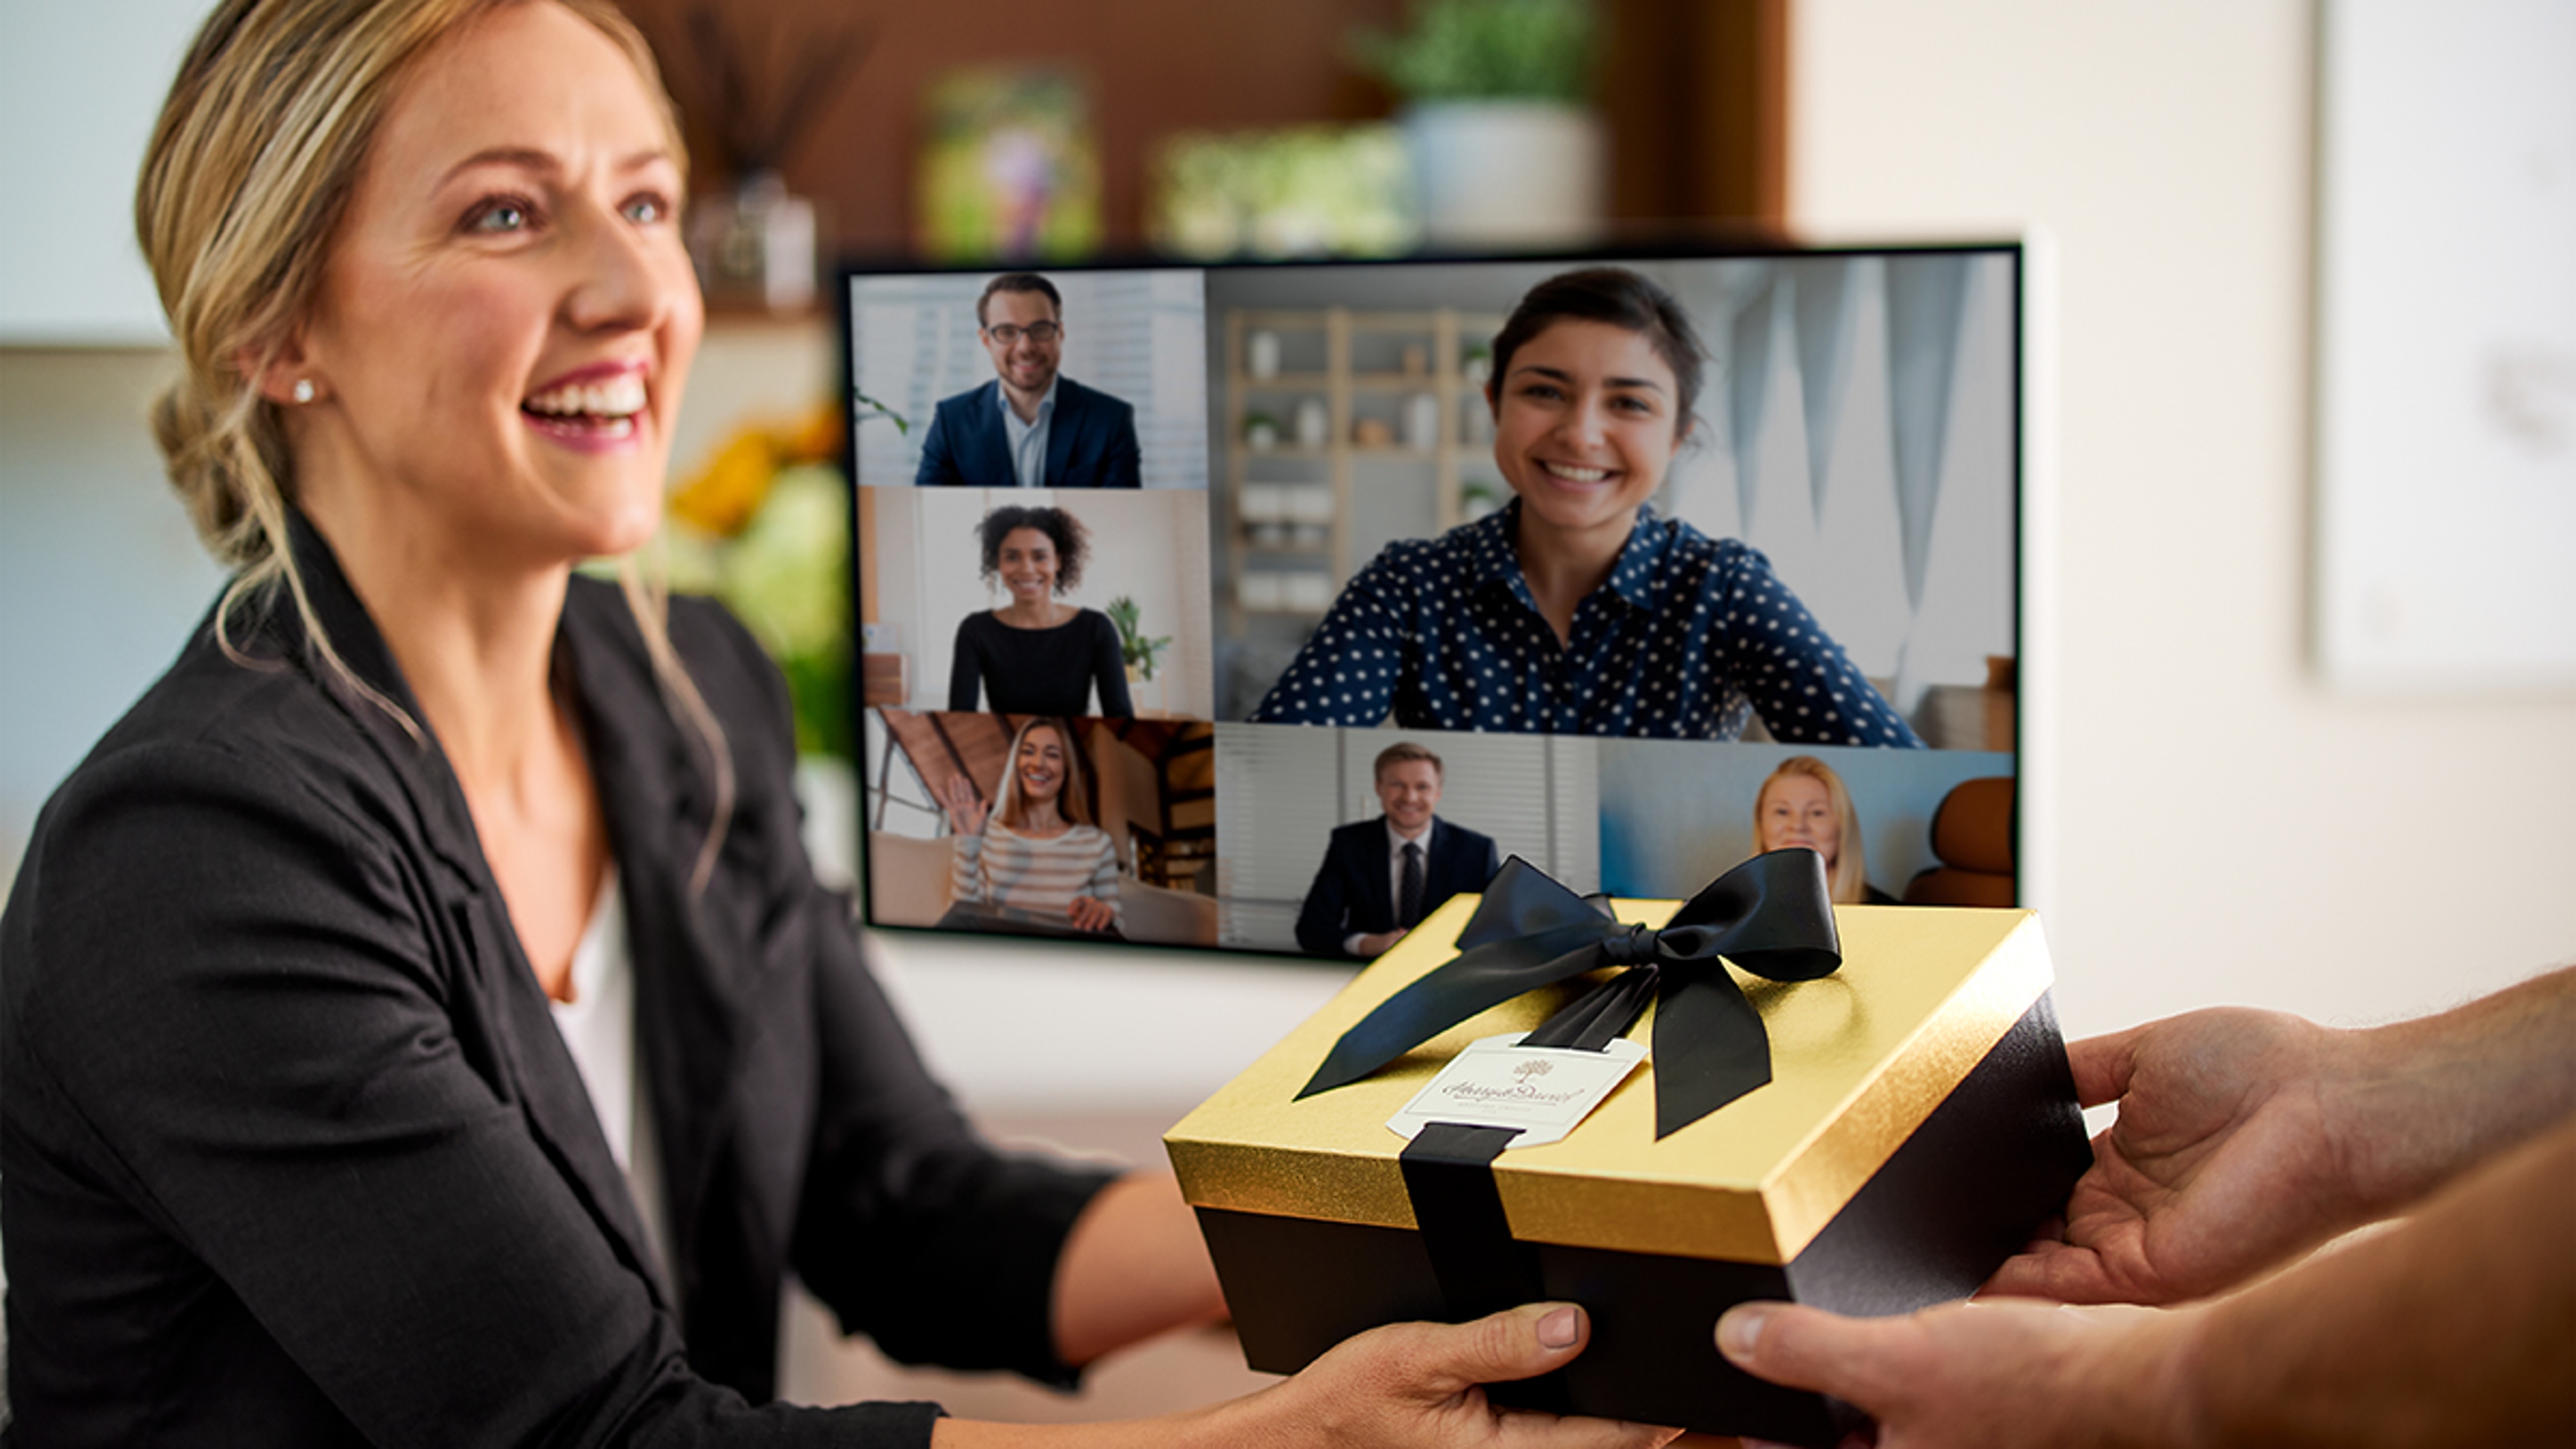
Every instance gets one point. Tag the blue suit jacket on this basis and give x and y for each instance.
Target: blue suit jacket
(1091, 441)
(1354, 891)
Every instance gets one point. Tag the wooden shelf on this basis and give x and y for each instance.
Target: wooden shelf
(1436, 336)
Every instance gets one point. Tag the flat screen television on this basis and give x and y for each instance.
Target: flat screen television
(1279, 519)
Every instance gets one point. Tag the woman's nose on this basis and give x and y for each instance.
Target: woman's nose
(1581, 423)
(623, 279)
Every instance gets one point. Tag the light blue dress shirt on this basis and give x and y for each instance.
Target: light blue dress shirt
(1028, 440)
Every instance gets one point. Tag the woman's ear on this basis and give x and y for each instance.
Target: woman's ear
(284, 374)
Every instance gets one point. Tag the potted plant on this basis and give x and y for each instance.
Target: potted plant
(1505, 150)
(1140, 652)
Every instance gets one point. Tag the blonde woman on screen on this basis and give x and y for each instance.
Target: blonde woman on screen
(1803, 803)
(1036, 850)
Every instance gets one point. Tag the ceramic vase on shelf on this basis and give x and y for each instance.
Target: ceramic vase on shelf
(1314, 424)
(754, 245)
(1507, 173)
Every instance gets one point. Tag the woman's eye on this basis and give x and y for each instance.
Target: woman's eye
(647, 209)
(498, 218)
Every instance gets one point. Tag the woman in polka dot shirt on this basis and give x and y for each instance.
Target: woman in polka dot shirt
(1575, 609)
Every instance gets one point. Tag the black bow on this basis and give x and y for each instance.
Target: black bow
(1773, 916)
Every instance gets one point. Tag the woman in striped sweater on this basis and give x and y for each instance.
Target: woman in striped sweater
(1037, 851)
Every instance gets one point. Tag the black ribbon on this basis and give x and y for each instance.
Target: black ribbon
(1772, 916)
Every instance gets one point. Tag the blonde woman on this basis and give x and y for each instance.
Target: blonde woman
(1803, 803)
(1037, 851)
(419, 1024)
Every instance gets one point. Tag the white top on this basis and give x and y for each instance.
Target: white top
(598, 1027)
(1028, 440)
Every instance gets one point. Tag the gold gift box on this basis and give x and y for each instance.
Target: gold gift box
(1920, 1123)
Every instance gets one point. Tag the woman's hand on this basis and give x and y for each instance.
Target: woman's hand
(1090, 913)
(1417, 1384)
(1404, 1386)
(966, 810)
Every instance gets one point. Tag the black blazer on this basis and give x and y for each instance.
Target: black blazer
(1354, 892)
(1091, 441)
(292, 1153)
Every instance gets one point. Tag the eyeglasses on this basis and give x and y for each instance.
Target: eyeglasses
(1040, 333)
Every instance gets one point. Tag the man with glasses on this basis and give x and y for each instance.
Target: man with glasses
(1031, 427)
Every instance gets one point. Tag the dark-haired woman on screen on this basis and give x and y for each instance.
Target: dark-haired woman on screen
(1037, 654)
(1575, 609)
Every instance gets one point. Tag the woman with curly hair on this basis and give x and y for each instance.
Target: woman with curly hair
(1037, 654)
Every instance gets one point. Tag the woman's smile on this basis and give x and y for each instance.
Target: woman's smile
(1575, 473)
(594, 409)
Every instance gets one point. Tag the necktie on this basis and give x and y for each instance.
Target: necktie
(1408, 905)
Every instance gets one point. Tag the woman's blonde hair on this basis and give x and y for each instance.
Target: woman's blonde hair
(1072, 801)
(250, 168)
(1849, 876)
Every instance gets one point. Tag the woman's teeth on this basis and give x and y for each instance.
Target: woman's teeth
(1572, 474)
(617, 397)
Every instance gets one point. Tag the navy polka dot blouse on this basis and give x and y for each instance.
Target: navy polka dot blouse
(1687, 637)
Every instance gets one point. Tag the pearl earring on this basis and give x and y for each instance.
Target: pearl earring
(304, 389)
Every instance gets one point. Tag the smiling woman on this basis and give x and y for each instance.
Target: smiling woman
(1037, 851)
(1575, 610)
(419, 1021)
(1805, 803)
(1037, 654)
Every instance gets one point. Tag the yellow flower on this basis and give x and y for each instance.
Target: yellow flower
(724, 495)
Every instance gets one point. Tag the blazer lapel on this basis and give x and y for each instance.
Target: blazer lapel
(1061, 428)
(535, 1066)
(1377, 874)
(688, 1013)
(989, 462)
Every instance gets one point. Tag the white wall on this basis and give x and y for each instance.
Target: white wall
(79, 88)
(2228, 829)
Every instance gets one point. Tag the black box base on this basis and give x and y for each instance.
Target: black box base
(1993, 1161)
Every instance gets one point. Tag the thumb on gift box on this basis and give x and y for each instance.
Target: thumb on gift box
(1413, 1384)
(1518, 1343)
(1991, 1374)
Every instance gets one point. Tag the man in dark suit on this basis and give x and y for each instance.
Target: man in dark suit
(1031, 426)
(1382, 876)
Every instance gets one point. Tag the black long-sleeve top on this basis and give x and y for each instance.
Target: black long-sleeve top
(1040, 671)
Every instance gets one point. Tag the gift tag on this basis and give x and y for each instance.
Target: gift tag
(1496, 1082)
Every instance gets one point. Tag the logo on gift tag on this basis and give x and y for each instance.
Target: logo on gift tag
(1540, 1091)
